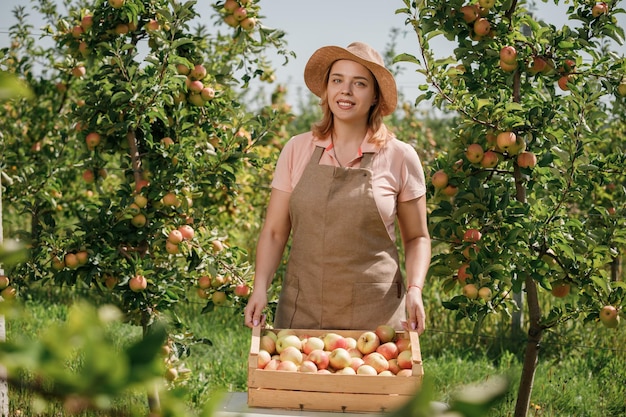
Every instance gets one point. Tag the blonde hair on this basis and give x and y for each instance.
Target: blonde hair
(324, 127)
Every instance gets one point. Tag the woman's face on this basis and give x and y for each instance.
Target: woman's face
(351, 90)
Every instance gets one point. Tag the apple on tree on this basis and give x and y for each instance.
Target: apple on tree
(439, 179)
(4, 282)
(506, 140)
(474, 153)
(138, 283)
(609, 316)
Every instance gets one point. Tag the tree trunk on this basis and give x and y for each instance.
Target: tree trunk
(535, 333)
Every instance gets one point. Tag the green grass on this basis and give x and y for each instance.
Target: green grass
(580, 373)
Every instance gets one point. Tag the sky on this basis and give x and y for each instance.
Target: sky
(312, 24)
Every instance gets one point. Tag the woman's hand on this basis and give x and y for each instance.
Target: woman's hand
(253, 313)
(415, 309)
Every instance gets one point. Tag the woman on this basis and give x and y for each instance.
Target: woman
(338, 191)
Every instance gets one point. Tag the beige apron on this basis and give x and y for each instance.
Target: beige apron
(343, 270)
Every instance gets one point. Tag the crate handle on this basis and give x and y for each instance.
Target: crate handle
(255, 343)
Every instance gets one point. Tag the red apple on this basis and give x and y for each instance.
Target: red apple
(472, 235)
(287, 366)
(4, 282)
(377, 361)
(175, 237)
(405, 359)
(207, 93)
(508, 55)
(86, 22)
(508, 67)
(8, 293)
(482, 27)
(469, 13)
(333, 341)
(242, 290)
(450, 190)
(462, 274)
(439, 179)
(291, 354)
(240, 13)
(182, 69)
(527, 160)
(356, 362)
(308, 366)
(320, 358)
(367, 342)
(248, 24)
(78, 71)
(393, 366)
(484, 293)
(153, 25)
(346, 371)
(564, 81)
(267, 343)
(138, 283)
(231, 21)
(385, 333)
(263, 358)
(77, 31)
(560, 289)
(403, 343)
(490, 159)
(171, 200)
(171, 248)
(389, 350)
(272, 365)
(506, 140)
(599, 9)
(231, 5)
(474, 153)
(198, 72)
(312, 343)
(92, 140)
(71, 261)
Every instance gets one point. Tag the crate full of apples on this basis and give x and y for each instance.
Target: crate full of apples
(333, 370)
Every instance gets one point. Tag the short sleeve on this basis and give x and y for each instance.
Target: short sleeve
(284, 166)
(413, 180)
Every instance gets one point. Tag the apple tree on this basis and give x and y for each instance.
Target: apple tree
(121, 171)
(530, 197)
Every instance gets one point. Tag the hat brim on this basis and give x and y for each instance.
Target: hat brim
(318, 65)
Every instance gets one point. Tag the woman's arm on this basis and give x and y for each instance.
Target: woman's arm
(413, 224)
(269, 252)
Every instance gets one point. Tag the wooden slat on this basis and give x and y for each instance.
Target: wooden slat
(317, 401)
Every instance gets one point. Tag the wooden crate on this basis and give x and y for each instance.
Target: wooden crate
(330, 392)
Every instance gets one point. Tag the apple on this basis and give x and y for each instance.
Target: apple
(171, 200)
(490, 159)
(207, 93)
(287, 366)
(312, 343)
(175, 237)
(231, 5)
(599, 9)
(355, 352)
(389, 350)
(231, 21)
(472, 235)
(484, 293)
(621, 88)
(339, 358)
(122, 29)
(77, 31)
(141, 201)
(139, 220)
(366, 370)
(86, 22)
(350, 343)
(8, 293)
(110, 282)
(285, 332)
(482, 27)
(470, 251)
(263, 358)
(78, 71)
(506, 140)
(439, 179)
(609, 316)
(272, 365)
(393, 366)
(285, 341)
(138, 283)
(450, 190)
(377, 361)
(152, 25)
(385, 333)
(219, 298)
(82, 257)
(248, 24)
(403, 343)
(508, 67)
(4, 282)
(355, 363)
(333, 341)
(560, 289)
(518, 146)
(71, 261)
(470, 291)
(405, 372)
(308, 366)
(508, 55)
(346, 371)
(116, 4)
(486, 4)
(291, 354)
(469, 13)
(367, 342)
(242, 290)
(320, 358)
(267, 343)
(198, 72)
(564, 81)
(195, 99)
(57, 264)
(474, 153)
(527, 160)
(462, 274)
(240, 13)
(405, 360)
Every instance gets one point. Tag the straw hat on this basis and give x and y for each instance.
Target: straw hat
(317, 68)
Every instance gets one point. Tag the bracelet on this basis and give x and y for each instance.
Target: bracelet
(413, 285)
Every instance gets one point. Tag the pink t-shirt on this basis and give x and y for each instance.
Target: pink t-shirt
(398, 175)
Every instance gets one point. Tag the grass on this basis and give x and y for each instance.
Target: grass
(580, 373)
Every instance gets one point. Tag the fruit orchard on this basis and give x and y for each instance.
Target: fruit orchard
(132, 174)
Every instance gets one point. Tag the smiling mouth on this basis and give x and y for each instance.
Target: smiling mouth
(345, 104)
